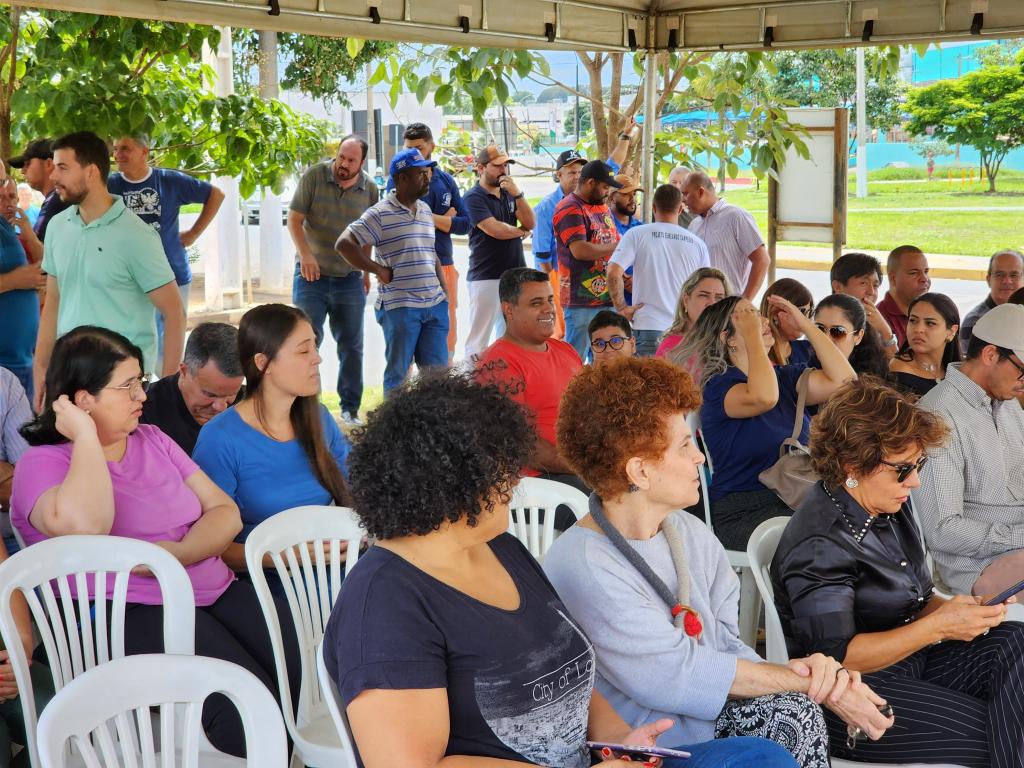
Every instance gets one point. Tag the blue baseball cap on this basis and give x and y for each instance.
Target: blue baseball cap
(408, 158)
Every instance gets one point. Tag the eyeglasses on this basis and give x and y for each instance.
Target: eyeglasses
(904, 469)
(837, 332)
(615, 342)
(1018, 366)
(134, 386)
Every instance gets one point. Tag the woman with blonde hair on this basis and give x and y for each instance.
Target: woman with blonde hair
(701, 289)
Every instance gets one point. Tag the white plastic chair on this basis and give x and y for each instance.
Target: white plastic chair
(335, 706)
(761, 549)
(534, 495)
(105, 715)
(311, 585)
(77, 638)
(750, 599)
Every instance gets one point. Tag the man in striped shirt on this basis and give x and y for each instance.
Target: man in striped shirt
(412, 304)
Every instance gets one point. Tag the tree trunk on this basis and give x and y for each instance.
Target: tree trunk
(10, 53)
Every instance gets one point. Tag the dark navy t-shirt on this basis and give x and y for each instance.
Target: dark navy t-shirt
(51, 206)
(800, 352)
(518, 682)
(743, 448)
(157, 200)
(489, 257)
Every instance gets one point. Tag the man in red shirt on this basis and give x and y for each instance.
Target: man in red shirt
(531, 367)
(585, 238)
(907, 268)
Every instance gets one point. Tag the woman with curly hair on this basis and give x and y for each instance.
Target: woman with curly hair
(750, 406)
(851, 580)
(448, 645)
(653, 588)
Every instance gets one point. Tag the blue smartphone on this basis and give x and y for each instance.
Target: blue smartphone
(1006, 594)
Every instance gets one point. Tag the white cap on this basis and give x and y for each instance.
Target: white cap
(1003, 326)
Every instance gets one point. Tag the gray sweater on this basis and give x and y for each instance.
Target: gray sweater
(646, 667)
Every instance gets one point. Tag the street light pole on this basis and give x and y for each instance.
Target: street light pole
(862, 127)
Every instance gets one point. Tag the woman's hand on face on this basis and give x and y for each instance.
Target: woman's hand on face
(72, 421)
(857, 705)
(789, 308)
(824, 674)
(746, 320)
(962, 618)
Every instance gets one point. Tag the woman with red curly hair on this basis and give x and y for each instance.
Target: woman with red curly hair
(652, 586)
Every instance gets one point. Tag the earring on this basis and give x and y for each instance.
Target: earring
(852, 482)
(633, 488)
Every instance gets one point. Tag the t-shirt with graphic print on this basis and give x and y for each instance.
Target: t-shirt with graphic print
(518, 681)
(157, 200)
(582, 283)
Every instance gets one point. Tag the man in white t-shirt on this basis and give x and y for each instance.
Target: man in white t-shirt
(662, 255)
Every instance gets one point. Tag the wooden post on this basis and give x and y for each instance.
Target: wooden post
(841, 125)
(773, 217)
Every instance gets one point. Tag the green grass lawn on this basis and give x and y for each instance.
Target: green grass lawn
(969, 233)
(372, 397)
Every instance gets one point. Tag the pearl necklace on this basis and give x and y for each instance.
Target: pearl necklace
(858, 534)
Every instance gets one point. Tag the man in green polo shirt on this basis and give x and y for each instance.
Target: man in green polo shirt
(104, 265)
(330, 196)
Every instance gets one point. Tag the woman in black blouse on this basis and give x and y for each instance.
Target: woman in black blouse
(851, 581)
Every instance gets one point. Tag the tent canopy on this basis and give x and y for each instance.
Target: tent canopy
(606, 25)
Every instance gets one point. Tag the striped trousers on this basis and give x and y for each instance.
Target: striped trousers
(955, 702)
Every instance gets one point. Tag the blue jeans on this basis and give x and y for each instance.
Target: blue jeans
(734, 752)
(577, 319)
(411, 333)
(344, 301)
(646, 342)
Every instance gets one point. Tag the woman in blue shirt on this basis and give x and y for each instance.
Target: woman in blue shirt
(750, 406)
(279, 448)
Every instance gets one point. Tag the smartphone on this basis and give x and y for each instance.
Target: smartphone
(634, 752)
(1003, 596)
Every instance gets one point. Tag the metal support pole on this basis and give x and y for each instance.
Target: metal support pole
(650, 120)
(862, 127)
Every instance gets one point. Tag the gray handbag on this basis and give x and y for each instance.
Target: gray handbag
(791, 477)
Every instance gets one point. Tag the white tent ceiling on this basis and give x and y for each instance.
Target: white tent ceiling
(596, 24)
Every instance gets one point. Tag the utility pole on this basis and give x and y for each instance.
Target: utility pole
(862, 127)
(371, 123)
(577, 111)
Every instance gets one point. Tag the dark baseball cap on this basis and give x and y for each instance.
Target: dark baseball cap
(38, 148)
(569, 157)
(600, 171)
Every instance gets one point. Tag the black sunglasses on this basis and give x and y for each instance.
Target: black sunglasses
(904, 469)
(615, 342)
(1018, 366)
(837, 332)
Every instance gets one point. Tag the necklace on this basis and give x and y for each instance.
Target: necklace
(928, 367)
(683, 615)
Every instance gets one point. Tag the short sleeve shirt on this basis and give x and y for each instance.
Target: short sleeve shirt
(748, 446)
(442, 196)
(490, 257)
(15, 412)
(518, 682)
(52, 205)
(405, 242)
(19, 310)
(536, 380)
(157, 200)
(582, 283)
(328, 210)
(731, 235)
(151, 503)
(104, 269)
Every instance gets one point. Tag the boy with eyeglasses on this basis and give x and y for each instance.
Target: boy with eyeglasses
(611, 337)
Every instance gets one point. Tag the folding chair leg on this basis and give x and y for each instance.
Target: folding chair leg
(750, 607)
(296, 761)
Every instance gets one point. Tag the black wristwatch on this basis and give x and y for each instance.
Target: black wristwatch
(520, 196)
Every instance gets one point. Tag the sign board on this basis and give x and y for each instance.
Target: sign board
(808, 202)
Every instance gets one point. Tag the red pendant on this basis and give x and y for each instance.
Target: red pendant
(692, 624)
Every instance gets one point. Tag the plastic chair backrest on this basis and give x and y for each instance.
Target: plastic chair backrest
(533, 495)
(76, 636)
(760, 550)
(311, 585)
(704, 473)
(336, 707)
(107, 710)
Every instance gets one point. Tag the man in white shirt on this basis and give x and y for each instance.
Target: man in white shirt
(662, 255)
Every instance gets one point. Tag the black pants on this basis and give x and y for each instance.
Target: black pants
(233, 629)
(956, 702)
(736, 515)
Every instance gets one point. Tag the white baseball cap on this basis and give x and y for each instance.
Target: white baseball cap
(1004, 327)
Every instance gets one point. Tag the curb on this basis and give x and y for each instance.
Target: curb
(944, 272)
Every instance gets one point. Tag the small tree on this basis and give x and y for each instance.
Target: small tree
(982, 110)
(930, 148)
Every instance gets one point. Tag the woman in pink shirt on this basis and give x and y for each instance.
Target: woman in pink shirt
(93, 469)
(701, 289)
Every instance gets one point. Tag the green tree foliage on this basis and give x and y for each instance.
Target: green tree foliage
(828, 78)
(981, 109)
(63, 72)
(315, 66)
(930, 148)
(586, 120)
